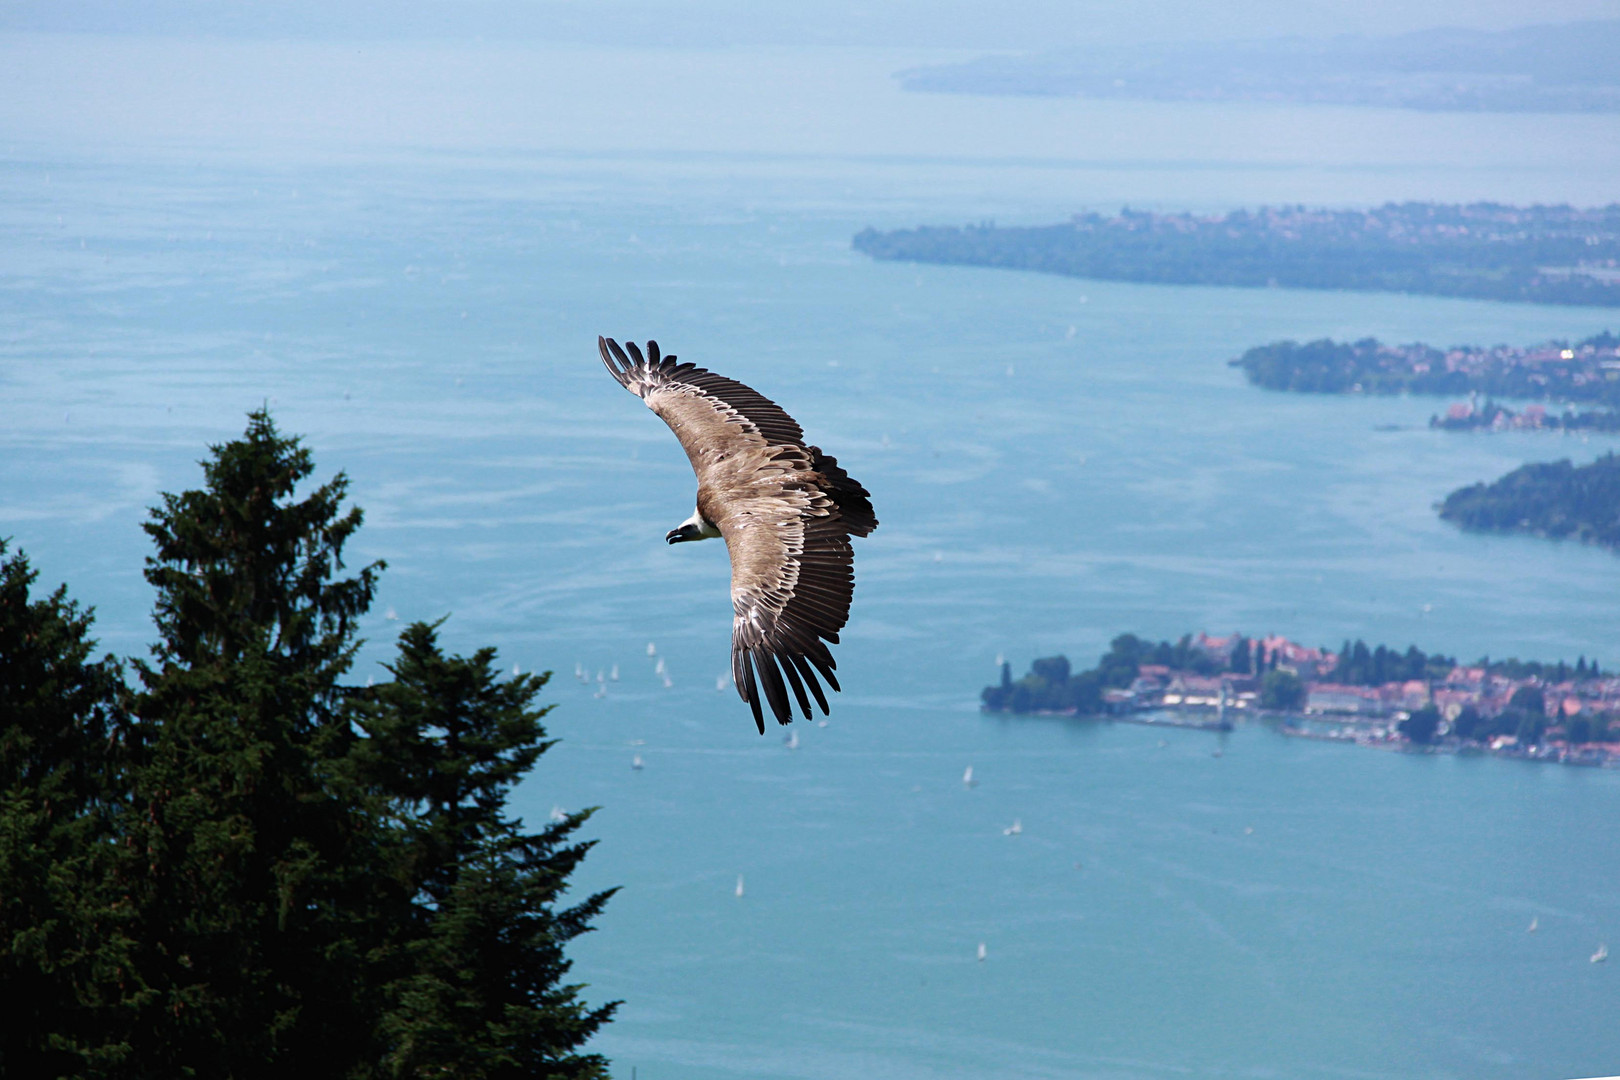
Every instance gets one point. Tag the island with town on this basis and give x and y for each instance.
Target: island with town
(1372, 696)
(1488, 251)
(1488, 415)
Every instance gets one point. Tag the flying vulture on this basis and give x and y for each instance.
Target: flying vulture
(785, 510)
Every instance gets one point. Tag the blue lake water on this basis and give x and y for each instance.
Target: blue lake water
(1054, 461)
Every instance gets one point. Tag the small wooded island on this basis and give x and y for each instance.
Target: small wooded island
(1377, 695)
(1539, 254)
(1556, 499)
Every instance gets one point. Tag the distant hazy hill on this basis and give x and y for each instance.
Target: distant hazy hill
(1564, 68)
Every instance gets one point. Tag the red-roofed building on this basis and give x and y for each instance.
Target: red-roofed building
(1302, 660)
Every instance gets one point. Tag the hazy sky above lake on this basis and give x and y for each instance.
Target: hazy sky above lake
(957, 24)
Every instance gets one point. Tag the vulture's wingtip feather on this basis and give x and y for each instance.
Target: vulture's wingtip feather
(750, 692)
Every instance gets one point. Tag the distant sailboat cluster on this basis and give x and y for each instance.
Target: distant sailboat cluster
(611, 674)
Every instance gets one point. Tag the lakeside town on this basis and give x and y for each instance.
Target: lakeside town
(1474, 415)
(1368, 696)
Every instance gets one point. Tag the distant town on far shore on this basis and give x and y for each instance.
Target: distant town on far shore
(1487, 251)
(1370, 695)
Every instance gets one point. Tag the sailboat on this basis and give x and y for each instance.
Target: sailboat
(1601, 955)
(635, 763)
(983, 952)
(1535, 924)
(792, 741)
(967, 777)
(739, 886)
(1014, 829)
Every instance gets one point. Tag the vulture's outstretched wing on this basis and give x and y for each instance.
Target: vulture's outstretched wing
(786, 512)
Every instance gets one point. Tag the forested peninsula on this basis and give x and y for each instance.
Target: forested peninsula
(1555, 499)
(1536, 254)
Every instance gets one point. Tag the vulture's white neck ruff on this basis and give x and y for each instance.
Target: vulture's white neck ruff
(698, 527)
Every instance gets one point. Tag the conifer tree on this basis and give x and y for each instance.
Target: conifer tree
(481, 993)
(58, 938)
(252, 873)
(249, 868)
